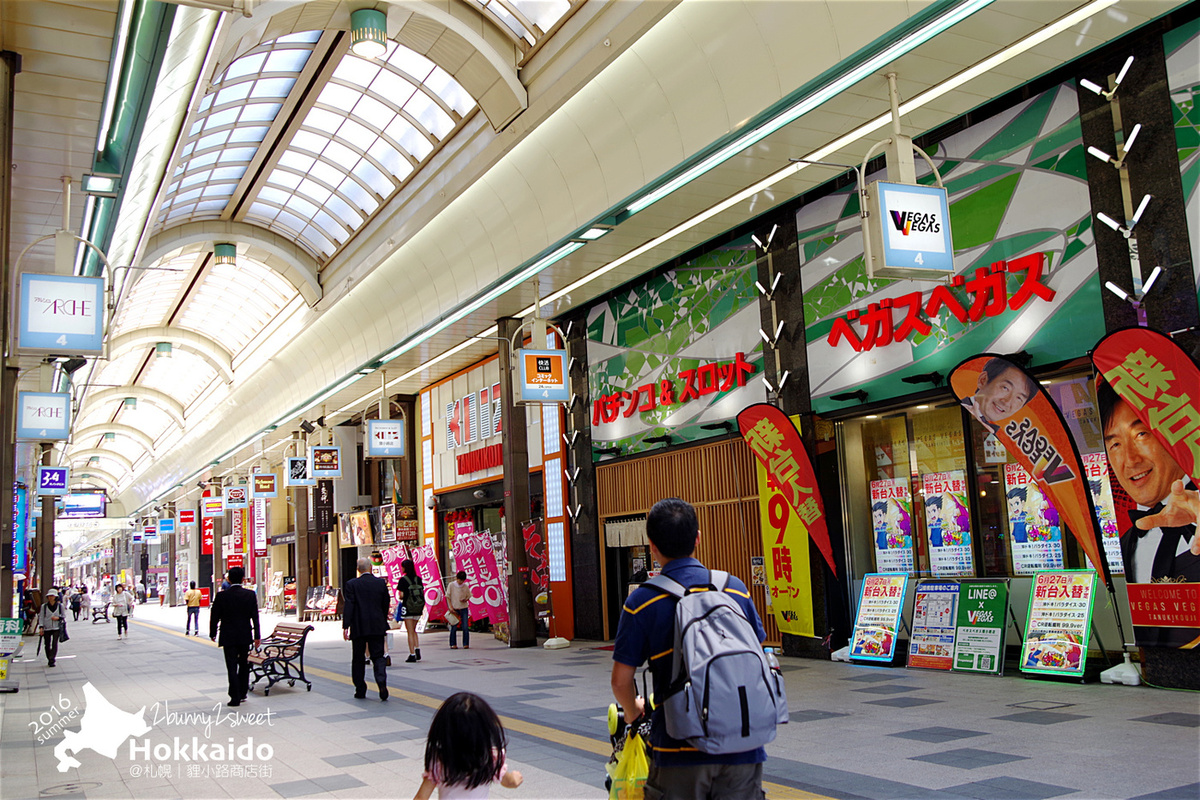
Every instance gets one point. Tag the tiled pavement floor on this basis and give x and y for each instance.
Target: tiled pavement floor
(856, 732)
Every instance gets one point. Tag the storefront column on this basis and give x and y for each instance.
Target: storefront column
(522, 625)
(10, 65)
(303, 579)
(1153, 169)
(586, 550)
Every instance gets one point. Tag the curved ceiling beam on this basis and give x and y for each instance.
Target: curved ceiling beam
(86, 473)
(456, 36)
(154, 397)
(196, 343)
(97, 452)
(291, 260)
(83, 434)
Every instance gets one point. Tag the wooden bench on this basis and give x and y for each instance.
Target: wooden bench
(280, 657)
(100, 613)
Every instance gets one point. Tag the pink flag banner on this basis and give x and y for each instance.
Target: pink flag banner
(392, 558)
(425, 560)
(475, 556)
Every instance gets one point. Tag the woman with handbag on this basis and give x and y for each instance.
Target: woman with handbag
(51, 618)
(412, 597)
(122, 609)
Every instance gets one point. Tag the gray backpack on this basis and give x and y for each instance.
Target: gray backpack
(723, 696)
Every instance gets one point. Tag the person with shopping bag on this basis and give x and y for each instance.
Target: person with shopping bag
(52, 621)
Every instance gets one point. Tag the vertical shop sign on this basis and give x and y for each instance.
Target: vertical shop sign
(979, 635)
(1014, 406)
(789, 586)
(539, 568)
(20, 528)
(206, 535)
(1095, 465)
(1033, 522)
(948, 523)
(1059, 622)
(323, 507)
(260, 528)
(891, 517)
(407, 524)
(880, 604)
(935, 604)
(775, 442)
(1153, 422)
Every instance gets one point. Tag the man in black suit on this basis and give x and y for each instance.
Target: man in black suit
(364, 624)
(1163, 545)
(233, 610)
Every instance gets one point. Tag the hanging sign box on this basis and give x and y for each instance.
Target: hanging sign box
(385, 438)
(212, 506)
(979, 637)
(150, 534)
(237, 497)
(326, 462)
(187, 517)
(909, 231)
(61, 314)
(262, 485)
(543, 376)
(52, 481)
(935, 604)
(166, 527)
(879, 606)
(299, 472)
(1059, 622)
(43, 416)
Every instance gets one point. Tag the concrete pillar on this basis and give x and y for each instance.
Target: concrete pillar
(10, 65)
(45, 539)
(522, 624)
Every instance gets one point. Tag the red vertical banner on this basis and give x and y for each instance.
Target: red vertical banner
(1148, 391)
(539, 568)
(1014, 407)
(206, 536)
(776, 443)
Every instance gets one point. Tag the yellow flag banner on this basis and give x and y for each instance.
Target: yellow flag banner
(785, 545)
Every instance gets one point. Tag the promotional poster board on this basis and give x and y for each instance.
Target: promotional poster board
(407, 524)
(880, 604)
(1033, 522)
(948, 523)
(892, 521)
(539, 568)
(786, 563)
(1059, 622)
(979, 633)
(387, 523)
(935, 605)
(1095, 466)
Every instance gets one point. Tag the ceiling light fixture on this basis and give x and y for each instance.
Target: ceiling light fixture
(812, 100)
(595, 232)
(224, 253)
(100, 184)
(368, 33)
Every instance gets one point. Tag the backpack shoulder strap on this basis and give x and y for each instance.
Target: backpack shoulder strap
(719, 579)
(666, 584)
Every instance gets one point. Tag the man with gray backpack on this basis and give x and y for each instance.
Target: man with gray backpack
(717, 699)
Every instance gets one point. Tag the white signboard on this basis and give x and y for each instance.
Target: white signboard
(43, 415)
(910, 231)
(61, 314)
(385, 438)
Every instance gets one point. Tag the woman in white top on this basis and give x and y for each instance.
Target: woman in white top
(122, 608)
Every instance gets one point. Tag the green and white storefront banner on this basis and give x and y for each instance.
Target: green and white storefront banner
(1025, 262)
(1183, 80)
(676, 353)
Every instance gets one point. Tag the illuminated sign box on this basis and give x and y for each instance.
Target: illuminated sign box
(43, 416)
(909, 230)
(84, 505)
(543, 376)
(61, 314)
(385, 438)
(52, 480)
(166, 526)
(262, 485)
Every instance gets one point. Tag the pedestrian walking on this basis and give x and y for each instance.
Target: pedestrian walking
(465, 751)
(646, 630)
(192, 598)
(412, 596)
(85, 602)
(364, 624)
(50, 619)
(232, 613)
(122, 609)
(76, 605)
(458, 595)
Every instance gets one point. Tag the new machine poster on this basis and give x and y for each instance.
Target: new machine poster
(979, 637)
(1095, 467)
(891, 514)
(948, 523)
(932, 642)
(1033, 522)
(879, 607)
(1059, 622)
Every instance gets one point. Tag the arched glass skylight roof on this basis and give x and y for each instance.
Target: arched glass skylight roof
(232, 122)
(525, 19)
(374, 123)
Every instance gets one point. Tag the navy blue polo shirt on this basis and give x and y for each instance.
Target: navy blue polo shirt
(646, 632)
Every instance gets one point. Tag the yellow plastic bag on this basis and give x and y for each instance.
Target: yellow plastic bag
(630, 772)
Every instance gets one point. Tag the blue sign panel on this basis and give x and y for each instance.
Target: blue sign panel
(916, 228)
(543, 376)
(43, 416)
(20, 528)
(166, 526)
(52, 480)
(61, 314)
(385, 438)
